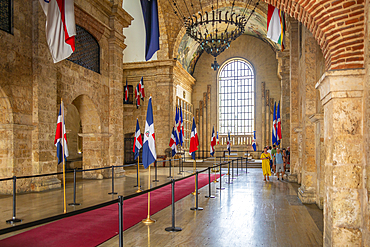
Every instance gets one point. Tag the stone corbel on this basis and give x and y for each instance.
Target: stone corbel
(341, 84)
(316, 117)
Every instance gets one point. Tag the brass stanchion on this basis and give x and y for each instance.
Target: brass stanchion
(215, 170)
(138, 174)
(148, 220)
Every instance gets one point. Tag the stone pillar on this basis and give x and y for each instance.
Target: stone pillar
(317, 119)
(263, 118)
(307, 191)
(294, 100)
(205, 130)
(341, 94)
(284, 65)
(200, 134)
(209, 127)
(268, 124)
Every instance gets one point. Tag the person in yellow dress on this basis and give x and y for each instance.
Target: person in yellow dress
(265, 157)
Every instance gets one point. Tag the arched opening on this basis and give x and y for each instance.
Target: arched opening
(236, 103)
(74, 127)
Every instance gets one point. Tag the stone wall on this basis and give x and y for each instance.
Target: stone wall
(263, 59)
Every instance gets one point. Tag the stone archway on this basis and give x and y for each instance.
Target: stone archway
(94, 142)
(7, 158)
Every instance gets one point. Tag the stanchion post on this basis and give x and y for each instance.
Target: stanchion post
(179, 160)
(232, 169)
(209, 184)
(170, 170)
(137, 175)
(237, 167)
(246, 164)
(220, 188)
(14, 219)
(155, 166)
(120, 220)
(112, 193)
(173, 228)
(74, 189)
(196, 194)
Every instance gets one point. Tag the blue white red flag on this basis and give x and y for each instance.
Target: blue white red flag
(194, 141)
(149, 153)
(142, 93)
(60, 27)
(274, 138)
(173, 142)
(213, 142)
(177, 123)
(126, 92)
(150, 14)
(181, 125)
(61, 131)
(217, 140)
(138, 142)
(228, 142)
(278, 127)
(254, 144)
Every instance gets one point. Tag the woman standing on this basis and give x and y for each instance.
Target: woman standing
(265, 157)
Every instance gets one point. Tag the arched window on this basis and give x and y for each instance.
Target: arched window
(87, 52)
(236, 97)
(6, 19)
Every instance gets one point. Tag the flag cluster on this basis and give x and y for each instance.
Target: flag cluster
(276, 25)
(177, 135)
(139, 92)
(276, 128)
(213, 142)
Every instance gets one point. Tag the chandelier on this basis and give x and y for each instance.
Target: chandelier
(214, 30)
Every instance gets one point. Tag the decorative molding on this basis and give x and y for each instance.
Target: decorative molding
(95, 134)
(316, 117)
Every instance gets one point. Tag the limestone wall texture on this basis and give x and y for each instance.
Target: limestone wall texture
(32, 87)
(263, 59)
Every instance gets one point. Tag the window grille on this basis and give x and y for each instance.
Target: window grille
(6, 15)
(87, 52)
(236, 98)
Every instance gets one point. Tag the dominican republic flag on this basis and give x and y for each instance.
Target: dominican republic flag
(213, 141)
(149, 153)
(228, 142)
(61, 131)
(141, 87)
(137, 96)
(60, 27)
(150, 14)
(254, 144)
(274, 137)
(276, 25)
(177, 123)
(181, 127)
(278, 127)
(173, 142)
(218, 141)
(126, 92)
(194, 141)
(138, 143)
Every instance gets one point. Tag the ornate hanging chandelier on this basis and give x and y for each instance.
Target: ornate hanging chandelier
(213, 30)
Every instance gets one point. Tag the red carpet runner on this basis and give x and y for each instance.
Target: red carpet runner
(97, 226)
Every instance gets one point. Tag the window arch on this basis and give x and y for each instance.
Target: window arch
(87, 52)
(236, 97)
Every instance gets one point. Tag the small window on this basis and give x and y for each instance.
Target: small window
(87, 52)
(6, 9)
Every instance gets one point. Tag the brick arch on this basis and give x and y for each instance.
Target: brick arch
(338, 27)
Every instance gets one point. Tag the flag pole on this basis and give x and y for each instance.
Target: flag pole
(64, 162)
(138, 174)
(148, 220)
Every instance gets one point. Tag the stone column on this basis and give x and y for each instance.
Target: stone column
(284, 58)
(263, 118)
(205, 120)
(317, 119)
(307, 191)
(209, 124)
(200, 133)
(268, 124)
(341, 94)
(294, 102)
